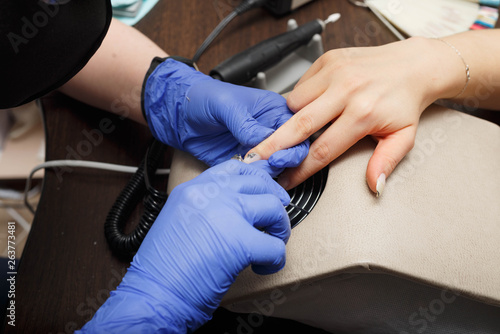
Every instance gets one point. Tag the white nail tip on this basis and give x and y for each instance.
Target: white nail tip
(380, 184)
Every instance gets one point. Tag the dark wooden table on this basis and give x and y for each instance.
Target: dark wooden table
(67, 270)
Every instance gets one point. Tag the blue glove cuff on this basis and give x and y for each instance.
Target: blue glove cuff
(154, 64)
(164, 89)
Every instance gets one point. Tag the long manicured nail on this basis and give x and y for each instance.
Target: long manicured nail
(380, 184)
(251, 157)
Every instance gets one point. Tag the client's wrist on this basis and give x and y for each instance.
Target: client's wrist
(452, 69)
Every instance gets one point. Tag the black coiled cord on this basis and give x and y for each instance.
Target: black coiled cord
(139, 187)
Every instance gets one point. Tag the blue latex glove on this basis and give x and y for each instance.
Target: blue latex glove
(214, 120)
(207, 233)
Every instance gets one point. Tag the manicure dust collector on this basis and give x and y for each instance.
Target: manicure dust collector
(424, 257)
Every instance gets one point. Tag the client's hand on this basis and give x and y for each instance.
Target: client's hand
(378, 91)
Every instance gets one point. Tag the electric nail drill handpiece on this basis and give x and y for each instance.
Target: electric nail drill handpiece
(244, 66)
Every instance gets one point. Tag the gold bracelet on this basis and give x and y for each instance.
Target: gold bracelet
(467, 70)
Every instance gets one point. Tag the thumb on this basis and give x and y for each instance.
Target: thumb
(390, 150)
(270, 255)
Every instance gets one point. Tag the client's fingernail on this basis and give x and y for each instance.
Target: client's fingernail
(283, 181)
(380, 184)
(251, 157)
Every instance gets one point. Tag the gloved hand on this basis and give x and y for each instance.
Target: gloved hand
(213, 120)
(205, 235)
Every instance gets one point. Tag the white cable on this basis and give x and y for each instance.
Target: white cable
(84, 164)
(14, 195)
(19, 219)
(92, 164)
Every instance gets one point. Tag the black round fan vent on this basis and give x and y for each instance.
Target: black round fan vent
(304, 197)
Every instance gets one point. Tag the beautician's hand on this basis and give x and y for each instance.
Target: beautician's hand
(378, 91)
(213, 120)
(210, 229)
